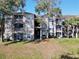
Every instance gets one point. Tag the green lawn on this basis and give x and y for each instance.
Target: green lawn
(51, 49)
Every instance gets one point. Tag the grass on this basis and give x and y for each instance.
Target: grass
(24, 50)
(19, 50)
(2, 56)
(69, 41)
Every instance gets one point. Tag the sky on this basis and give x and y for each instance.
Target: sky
(68, 7)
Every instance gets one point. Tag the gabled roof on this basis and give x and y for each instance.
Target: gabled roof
(20, 13)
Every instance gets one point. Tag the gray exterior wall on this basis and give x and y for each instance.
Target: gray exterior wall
(8, 27)
(54, 26)
(17, 27)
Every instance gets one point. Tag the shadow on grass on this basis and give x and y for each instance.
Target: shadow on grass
(39, 41)
(25, 42)
(33, 41)
(12, 42)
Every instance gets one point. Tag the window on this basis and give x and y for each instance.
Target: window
(57, 20)
(15, 16)
(44, 26)
(18, 25)
(58, 27)
(18, 36)
(18, 16)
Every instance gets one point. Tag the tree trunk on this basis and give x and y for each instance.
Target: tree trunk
(76, 32)
(73, 32)
(2, 28)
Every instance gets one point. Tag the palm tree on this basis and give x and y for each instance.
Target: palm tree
(45, 7)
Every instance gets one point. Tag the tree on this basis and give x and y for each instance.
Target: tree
(46, 6)
(73, 21)
(9, 6)
(56, 10)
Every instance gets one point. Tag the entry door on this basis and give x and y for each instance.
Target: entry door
(37, 33)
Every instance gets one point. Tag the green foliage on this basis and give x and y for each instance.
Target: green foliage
(41, 7)
(9, 6)
(56, 10)
(45, 6)
(38, 20)
(73, 21)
